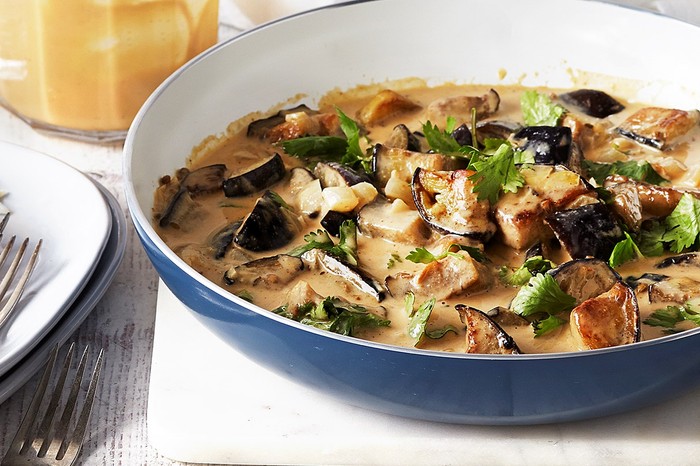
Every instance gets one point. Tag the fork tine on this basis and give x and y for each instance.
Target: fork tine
(23, 437)
(3, 222)
(73, 445)
(45, 427)
(22, 282)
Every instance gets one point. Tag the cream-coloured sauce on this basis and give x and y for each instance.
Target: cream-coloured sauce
(238, 152)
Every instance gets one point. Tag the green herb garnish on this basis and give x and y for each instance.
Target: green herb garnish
(418, 323)
(639, 171)
(547, 324)
(539, 110)
(441, 141)
(495, 173)
(683, 224)
(423, 256)
(624, 251)
(523, 274)
(346, 249)
(673, 315)
(542, 294)
(335, 315)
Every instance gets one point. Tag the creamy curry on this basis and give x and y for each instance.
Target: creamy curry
(460, 218)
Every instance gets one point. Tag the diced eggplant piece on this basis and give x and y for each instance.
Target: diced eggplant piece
(385, 104)
(585, 278)
(299, 178)
(588, 231)
(337, 174)
(462, 135)
(392, 221)
(269, 271)
(460, 107)
(222, 239)
(386, 160)
(506, 317)
(673, 290)
(658, 127)
(556, 184)
(256, 178)
(333, 219)
(260, 128)
(592, 102)
(484, 336)
(402, 138)
(610, 319)
(204, 180)
(447, 203)
(655, 201)
(496, 129)
(642, 282)
(454, 275)
(626, 204)
(689, 258)
(271, 224)
(550, 145)
(355, 276)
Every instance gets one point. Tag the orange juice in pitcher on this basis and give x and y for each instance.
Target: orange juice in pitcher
(83, 68)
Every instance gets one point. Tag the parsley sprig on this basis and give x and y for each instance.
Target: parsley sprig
(624, 251)
(495, 172)
(520, 276)
(418, 322)
(542, 299)
(539, 110)
(423, 256)
(636, 170)
(346, 249)
(673, 315)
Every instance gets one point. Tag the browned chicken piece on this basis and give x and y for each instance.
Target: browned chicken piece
(460, 107)
(458, 275)
(655, 201)
(674, 290)
(301, 124)
(658, 127)
(520, 216)
(385, 104)
(609, 319)
(484, 336)
(587, 135)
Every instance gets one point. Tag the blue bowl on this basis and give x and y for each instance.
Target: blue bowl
(234, 78)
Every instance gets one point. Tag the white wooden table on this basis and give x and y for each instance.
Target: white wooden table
(122, 323)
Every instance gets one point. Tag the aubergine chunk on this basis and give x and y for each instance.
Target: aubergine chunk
(317, 259)
(658, 127)
(591, 230)
(337, 174)
(386, 160)
(301, 295)
(655, 201)
(270, 225)
(261, 127)
(447, 203)
(299, 178)
(550, 145)
(673, 290)
(609, 319)
(332, 221)
(585, 278)
(496, 129)
(686, 259)
(223, 238)
(385, 104)
(256, 178)
(402, 138)
(460, 107)
(484, 336)
(392, 221)
(626, 204)
(463, 135)
(454, 275)
(182, 205)
(592, 102)
(269, 271)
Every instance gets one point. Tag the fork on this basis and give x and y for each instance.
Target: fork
(14, 267)
(46, 442)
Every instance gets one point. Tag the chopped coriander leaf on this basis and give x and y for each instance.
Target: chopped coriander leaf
(346, 249)
(423, 256)
(539, 110)
(330, 148)
(245, 294)
(495, 173)
(640, 171)
(650, 240)
(689, 312)
(546, 325)
(441, 141)
(354, 153)
(542, 294)
(667, 318)
(523, 274)
(409, 300)
(393, 259)
(683, 224)
(624, 251)
(338, 316)
(418, 323)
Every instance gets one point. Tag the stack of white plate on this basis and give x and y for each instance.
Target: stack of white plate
(84, 236)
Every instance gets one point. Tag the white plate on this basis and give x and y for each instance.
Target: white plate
(95, 288)
(53, 201)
